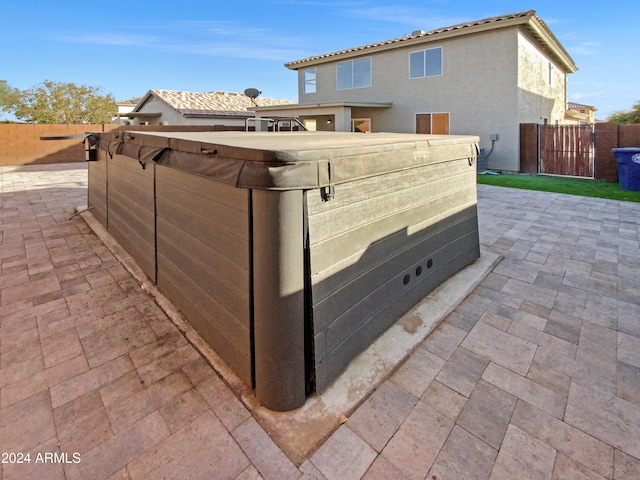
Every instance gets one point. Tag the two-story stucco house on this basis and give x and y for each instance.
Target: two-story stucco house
(483, 78)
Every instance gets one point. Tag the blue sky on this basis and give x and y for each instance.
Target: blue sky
(128, 48)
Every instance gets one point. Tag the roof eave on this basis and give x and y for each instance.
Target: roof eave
(139, 114)
(573, 115)
(543, 34)
(339, 104)
(529, 20)
(401, 42)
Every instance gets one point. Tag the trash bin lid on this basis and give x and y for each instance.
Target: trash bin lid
(288, 160)
(626, 150)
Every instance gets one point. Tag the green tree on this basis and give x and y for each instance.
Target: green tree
(6, 93)
(626, 116)
(56, 102)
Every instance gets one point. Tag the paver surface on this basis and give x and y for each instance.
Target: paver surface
(536, 374)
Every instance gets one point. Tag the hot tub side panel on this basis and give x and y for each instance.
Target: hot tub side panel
(131, 210)
(97, 187)
(378, 247)
(203, 260)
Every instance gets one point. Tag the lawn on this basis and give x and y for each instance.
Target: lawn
(572, 186)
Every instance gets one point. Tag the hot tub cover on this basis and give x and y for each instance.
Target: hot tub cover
(287, 160)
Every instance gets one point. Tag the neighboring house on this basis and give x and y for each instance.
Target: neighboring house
(167, 107)
(125, 106)
(581, 114)
(482, 78)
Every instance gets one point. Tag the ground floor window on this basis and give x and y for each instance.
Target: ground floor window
(435, 123)
(361, 125)
(310, 124)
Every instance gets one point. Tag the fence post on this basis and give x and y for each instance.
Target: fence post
(605, 166)
(529, 148)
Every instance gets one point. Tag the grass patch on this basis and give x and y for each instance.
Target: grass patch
(572, 186)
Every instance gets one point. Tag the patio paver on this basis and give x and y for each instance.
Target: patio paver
(536, 374)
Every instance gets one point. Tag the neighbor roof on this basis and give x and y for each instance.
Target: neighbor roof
(580, 106)
(129, 101)
(207, 104)
(527, 19)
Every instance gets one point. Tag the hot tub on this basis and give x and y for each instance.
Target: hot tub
(289, 253)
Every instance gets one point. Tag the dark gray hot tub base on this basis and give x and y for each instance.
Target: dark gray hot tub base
(284, 285)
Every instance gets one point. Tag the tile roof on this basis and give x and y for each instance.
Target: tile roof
(579, 106)
(214, 103)
(541, 31)
(130, 101)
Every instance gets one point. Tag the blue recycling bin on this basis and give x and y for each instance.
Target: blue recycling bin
(628, 167)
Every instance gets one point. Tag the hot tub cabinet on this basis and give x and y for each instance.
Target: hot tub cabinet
(290, 253)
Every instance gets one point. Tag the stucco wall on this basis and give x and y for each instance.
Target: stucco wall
(538, 100)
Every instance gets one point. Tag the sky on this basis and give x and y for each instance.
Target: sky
(129, 48)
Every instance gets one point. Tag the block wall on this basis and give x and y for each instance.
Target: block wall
(21, 144)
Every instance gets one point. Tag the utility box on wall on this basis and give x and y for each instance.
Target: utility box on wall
(290, 253)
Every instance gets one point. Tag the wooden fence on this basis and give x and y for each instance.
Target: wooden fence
(561, 157)
(566, 150)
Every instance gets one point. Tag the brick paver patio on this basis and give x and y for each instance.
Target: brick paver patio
(535, 375)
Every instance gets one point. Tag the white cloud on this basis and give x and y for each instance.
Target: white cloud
(585, 48)
(320, 3)
(234, 50)
(209, 38)
(114, 39)
(409, 16)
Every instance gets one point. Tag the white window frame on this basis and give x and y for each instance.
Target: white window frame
(309, 85)
(351, 62)
(425, 73)
(550, 79)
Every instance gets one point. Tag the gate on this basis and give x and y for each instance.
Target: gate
(566, 150)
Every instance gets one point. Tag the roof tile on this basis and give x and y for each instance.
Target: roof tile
(417, 34)
(214, 103)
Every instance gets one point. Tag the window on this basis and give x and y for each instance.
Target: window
(434, 123)
(309, 80)
(550, 74)
(425, 63)
(362, 125)
(354, 74)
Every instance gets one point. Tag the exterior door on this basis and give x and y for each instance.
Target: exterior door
(435, 123)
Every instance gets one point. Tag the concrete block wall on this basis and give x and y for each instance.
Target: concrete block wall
(20, 144)
(608, 136)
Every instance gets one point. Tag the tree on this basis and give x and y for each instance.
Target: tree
(626, 116)
(6, 93)
(56, 102)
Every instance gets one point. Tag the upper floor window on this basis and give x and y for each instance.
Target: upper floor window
(354, 74)
(309, 80)
(425, 63)
(550, 73)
